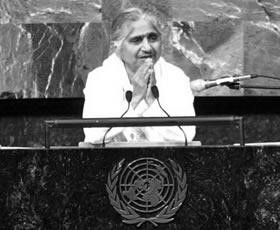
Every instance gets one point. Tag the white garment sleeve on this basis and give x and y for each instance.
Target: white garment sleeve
(99, 103)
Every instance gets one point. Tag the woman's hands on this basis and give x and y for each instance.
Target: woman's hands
(142, 81)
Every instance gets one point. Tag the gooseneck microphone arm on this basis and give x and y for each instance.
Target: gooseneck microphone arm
(238, 85)
(155, 93)
(232, 82)
(128, 97)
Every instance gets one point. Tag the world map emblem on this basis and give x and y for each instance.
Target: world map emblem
(146, 190)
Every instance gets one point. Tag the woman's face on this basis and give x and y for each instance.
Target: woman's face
(142, 42)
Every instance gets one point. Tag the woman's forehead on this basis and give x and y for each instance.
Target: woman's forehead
(141, 27)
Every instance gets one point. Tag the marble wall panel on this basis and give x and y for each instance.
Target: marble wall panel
(49, 11)
(262, 10)
(204, 10)
(261, 56)
(15, 60)
(210, 50)
(49, 60)
(48, 47)
(63, 55)
(42, 47)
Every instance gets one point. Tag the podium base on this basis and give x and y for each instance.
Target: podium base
(137, 144)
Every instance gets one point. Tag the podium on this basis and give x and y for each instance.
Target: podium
(169, 187)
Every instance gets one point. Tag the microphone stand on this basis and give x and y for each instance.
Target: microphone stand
(237, 85)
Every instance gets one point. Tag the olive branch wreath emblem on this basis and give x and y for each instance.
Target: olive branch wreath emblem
(132, 217)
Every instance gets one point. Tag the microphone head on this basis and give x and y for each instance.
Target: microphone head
(155, 91)
(128, 96)
(198, 85)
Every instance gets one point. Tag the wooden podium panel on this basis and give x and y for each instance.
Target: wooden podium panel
(224, 187)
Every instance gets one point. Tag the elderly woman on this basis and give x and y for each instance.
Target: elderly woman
(137, 66)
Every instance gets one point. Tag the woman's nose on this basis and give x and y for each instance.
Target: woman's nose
(146, 46)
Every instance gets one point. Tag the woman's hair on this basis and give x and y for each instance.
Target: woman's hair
(121, 24)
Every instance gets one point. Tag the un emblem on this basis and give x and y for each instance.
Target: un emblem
(146, 190)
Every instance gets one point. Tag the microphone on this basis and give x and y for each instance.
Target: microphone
(128, 97)
(200, 84)
(155, 93)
